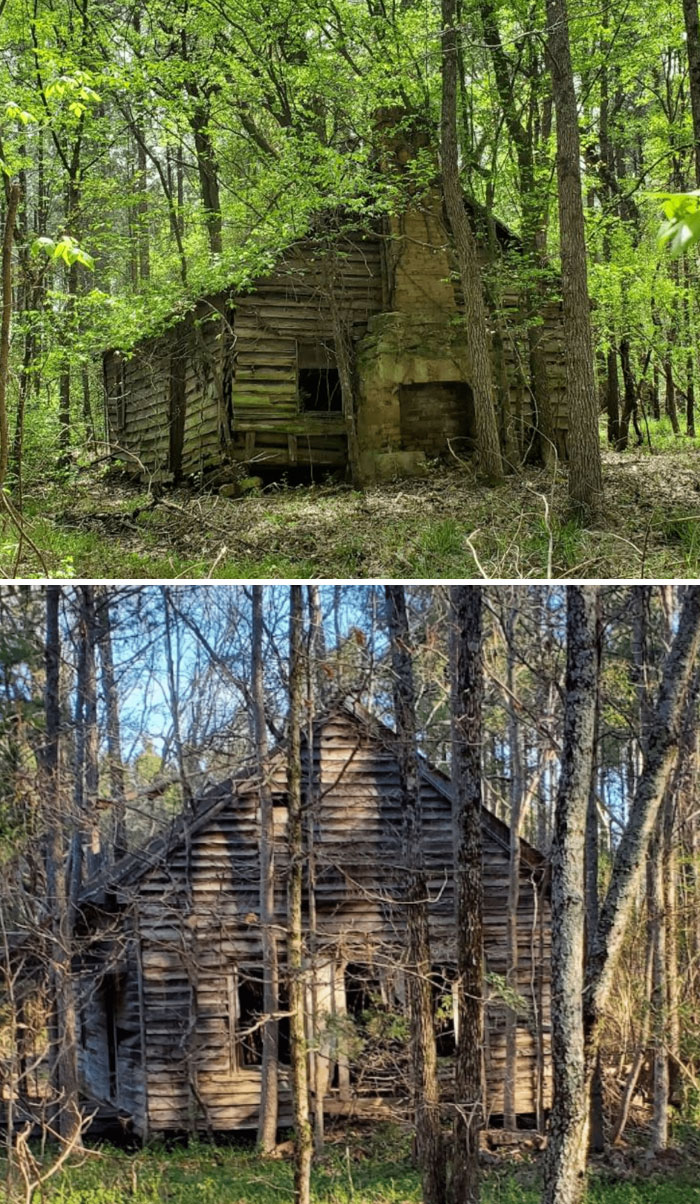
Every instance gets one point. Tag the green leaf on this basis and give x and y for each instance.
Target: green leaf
(13, 110)
(681, 230)
(66, 249)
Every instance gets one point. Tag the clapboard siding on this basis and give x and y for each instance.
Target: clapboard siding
(200, 943)
(222, 384)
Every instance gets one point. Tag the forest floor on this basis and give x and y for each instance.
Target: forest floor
(94, 523)
(358, 1168)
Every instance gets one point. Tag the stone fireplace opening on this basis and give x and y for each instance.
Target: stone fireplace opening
(436, 414)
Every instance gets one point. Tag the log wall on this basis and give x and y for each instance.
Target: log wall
(223, 383)
(200, 945)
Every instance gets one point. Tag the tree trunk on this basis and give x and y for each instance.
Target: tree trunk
(175, 701)
(629, 409)
(117, 784)
(467, 737)
(657, 935)
(419, 989)
(267, 1123)
(65, 1056)
(516, 798)
(8, 239)
(664, 732)
(486, 425)
(208, 171)
(597, 1134)
(670, 396)
(690, 15)
(585, 472)
(303, 1139)
(534, 218)
(566, 1152)
(565, 1160)
(639, 1053)
(612, 397)
(88, 635)
(319, 1057)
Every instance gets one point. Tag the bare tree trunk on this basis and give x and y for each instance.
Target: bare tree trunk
(487, 442)
(585, 472)
(597, 1134)
(516, 799)
(664, 733)
(113, 728)
(639, 1053)
(175, 701)
(65, 1057)
(267, 1123)
(319, 1058)
(303, 1138)
(565, 1181)
(657, 938)
(467, 737)
(426, 1092)
(89, 689)
(565, 1160)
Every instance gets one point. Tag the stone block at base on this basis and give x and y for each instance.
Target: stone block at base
(390, 466)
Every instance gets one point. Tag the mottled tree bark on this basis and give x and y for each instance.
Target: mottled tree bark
(426, 1094)
(467, 735)
(597, 1134)
(565, 1161)
(303, 1139)
(479, 341)
(585, 472)
(267, 1122)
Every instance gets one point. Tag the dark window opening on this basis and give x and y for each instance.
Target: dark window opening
(444, 1012)
(319, 391)
(113, 989)
(251, 1011)
(378, 1036)
(363, 994)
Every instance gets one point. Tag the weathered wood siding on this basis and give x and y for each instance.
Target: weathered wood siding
(199, 934)
(137, 392)
(286, 316)
(110, 1028)
(227, 375)
(224, 381)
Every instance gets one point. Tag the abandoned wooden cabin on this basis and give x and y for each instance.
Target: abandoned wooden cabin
(171, 977)
(349, 354)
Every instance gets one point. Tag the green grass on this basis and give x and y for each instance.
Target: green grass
(95, 524)
(659, 433)
(373, 1169)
